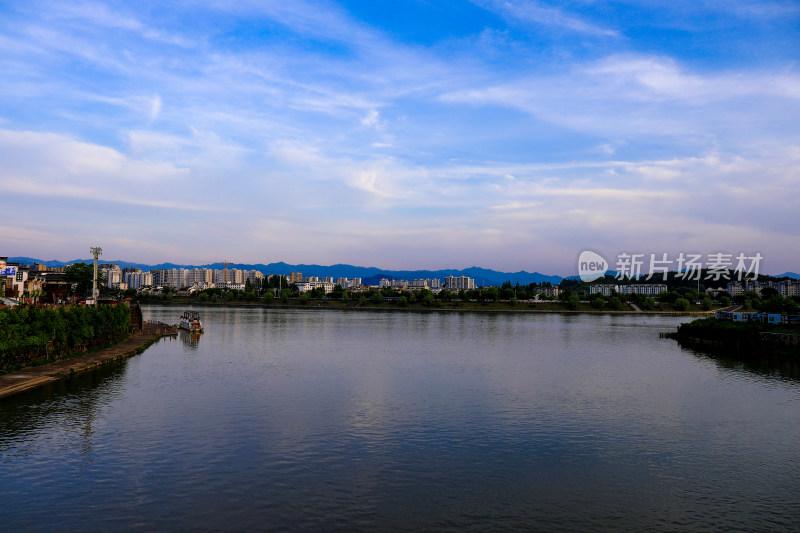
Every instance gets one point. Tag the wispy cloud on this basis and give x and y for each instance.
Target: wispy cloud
(532, 11)
(38, 164)
(341, 137)
(625, 97)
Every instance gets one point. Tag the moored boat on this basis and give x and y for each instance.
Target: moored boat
(190, 321)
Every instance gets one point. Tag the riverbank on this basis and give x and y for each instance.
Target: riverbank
(742, 339)
(500, 307)
(35, 376)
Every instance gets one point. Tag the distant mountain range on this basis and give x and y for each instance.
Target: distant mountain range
(368, 275)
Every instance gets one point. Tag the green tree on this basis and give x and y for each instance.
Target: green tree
(598, 302)
(668, 297)
(285, 295)
(377, 298)
(768, 292)
(492, 293)
(572, 302)
(614, 303)
(681, 304)
(82, 274)
(318, 292)
(707, 303)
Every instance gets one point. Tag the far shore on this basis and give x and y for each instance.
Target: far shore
(494, 307)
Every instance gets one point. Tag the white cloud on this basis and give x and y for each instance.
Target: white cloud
(371, 119)
(37, 164)
(155, 108)
(630, 98)
(530, 11)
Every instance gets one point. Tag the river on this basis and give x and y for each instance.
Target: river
(306, 420)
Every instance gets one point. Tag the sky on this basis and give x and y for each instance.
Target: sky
(403, 134)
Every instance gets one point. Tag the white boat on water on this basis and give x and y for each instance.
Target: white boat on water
(190, 321)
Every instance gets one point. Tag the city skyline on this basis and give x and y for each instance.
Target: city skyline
(507, 135)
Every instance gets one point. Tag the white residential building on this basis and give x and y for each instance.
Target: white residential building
(305, 286)
(254, 276)
(735, 288)
(648, 289)
(230, 285)
(113, 278)
(454, 283)
(603, 288)
(134, 280)
(789, 287)
(199, 276)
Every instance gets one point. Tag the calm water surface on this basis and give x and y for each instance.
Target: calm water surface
(331, 420)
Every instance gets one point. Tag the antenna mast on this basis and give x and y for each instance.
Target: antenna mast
(95, 252)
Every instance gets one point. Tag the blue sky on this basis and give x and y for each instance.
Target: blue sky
(402, 134)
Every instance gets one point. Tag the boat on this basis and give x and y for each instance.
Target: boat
(190, 321)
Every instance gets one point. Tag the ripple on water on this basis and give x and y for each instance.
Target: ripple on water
(297, 420)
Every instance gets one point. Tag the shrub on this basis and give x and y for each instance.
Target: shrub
(30, 334)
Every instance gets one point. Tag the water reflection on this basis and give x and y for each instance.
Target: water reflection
(762, 363)
(309, 420)
(190, 339)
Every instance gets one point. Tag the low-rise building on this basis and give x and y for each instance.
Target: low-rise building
(603, 288)
(551, 292)
(305, 286)
(647, 289)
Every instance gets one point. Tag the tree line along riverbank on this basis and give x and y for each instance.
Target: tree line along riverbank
(742, 339)
(394, 304)
(423, 299)
(31, 334)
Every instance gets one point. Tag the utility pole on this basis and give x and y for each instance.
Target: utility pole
(95, 293)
